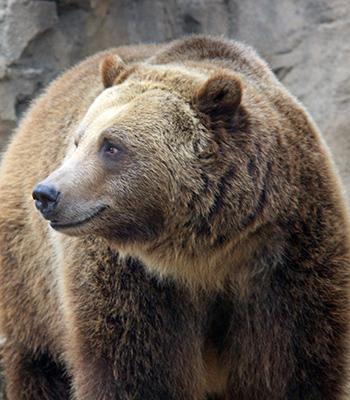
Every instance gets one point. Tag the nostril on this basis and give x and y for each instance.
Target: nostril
(46, 192)
(46, 197)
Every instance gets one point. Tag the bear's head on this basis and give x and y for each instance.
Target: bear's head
(170, 165)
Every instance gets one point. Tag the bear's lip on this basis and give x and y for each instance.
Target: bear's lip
(61, 225)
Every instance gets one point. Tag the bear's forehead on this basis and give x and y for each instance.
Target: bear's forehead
(177, 77)
(168, 84)
(151, 90)
(134, 109)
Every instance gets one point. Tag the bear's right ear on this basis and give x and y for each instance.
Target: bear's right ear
(110, 69)
(219, 97)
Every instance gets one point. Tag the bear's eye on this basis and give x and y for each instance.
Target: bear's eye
(112, 150)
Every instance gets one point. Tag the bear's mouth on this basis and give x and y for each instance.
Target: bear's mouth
(62, 225)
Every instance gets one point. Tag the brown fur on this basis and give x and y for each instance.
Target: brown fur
(213, 257)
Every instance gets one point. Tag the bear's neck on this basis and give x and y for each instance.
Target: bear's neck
(208, 268)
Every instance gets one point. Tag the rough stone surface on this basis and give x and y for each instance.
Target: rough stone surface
(306, 43)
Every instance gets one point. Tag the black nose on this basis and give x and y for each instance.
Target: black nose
(46, 197)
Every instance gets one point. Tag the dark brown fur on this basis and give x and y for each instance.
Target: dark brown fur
(214, 259)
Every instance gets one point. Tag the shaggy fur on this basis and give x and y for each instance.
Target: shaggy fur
(195, 243)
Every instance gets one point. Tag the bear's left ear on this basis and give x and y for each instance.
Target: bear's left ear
(110, 69)
(219, 97)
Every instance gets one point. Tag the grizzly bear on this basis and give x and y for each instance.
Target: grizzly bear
(188, 237)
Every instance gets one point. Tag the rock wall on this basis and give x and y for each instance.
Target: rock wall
(306, 43)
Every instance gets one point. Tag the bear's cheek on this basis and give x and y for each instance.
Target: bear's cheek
(130, 225)
(136, 212)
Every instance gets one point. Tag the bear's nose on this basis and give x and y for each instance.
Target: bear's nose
(46, 197)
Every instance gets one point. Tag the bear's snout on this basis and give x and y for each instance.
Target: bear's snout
(46, 198)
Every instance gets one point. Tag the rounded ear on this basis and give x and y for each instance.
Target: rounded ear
(219, 97)
(110, 69)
